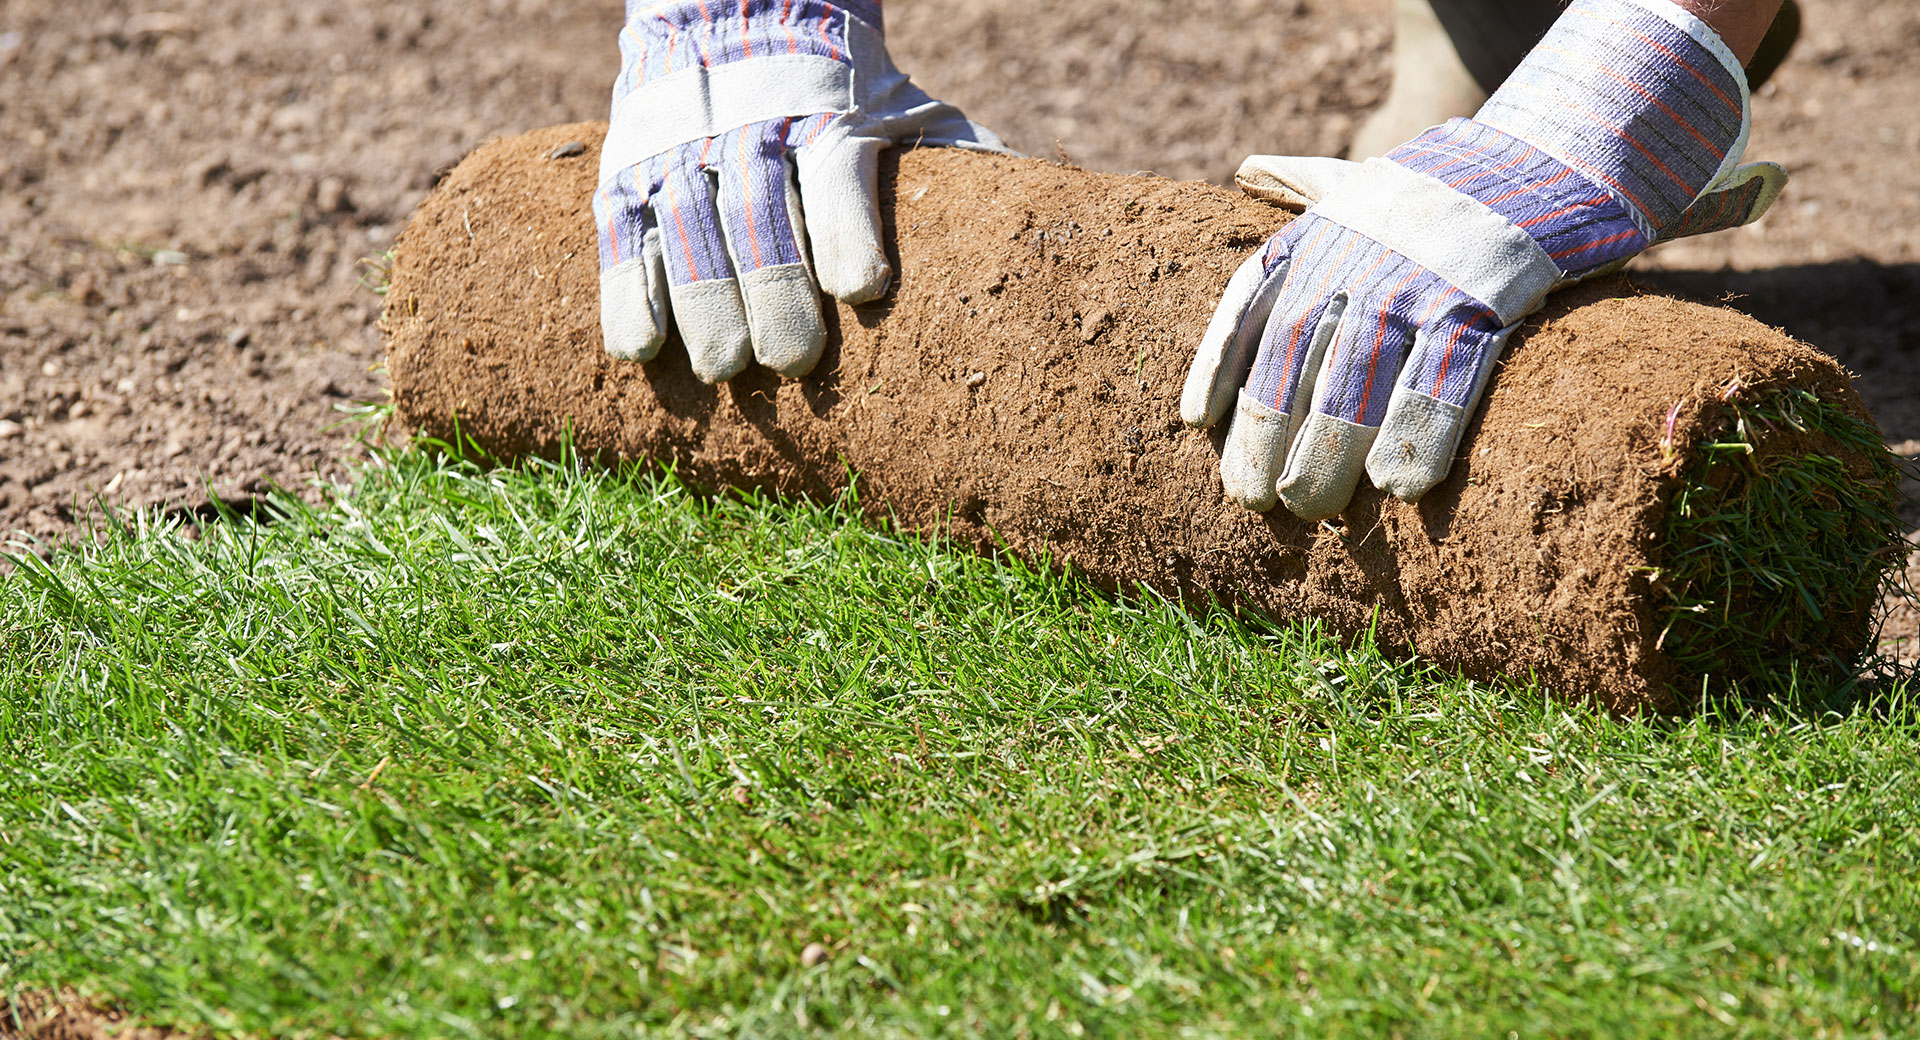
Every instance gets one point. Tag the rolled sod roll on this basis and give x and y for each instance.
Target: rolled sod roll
(1658, 498)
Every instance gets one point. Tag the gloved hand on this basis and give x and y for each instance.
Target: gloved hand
(719, 105)
(1361, 337)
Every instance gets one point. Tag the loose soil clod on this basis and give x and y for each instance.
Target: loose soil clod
(1020, 389)
(65, 1016)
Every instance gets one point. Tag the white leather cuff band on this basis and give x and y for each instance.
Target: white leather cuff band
(1466, 244)
(701, 102)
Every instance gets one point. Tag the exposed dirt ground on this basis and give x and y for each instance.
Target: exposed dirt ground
(188, 188)
(188, 191)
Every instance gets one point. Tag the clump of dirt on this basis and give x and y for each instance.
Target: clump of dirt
(46, 1016)
(1020, 389)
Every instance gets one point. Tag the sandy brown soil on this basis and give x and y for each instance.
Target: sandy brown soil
(188, 189)
(268, 148)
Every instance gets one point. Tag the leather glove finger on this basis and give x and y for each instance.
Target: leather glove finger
(760, 216)
(701, 282)
(633, 272)
(1233, 335)
(839, 176)
(1438, 393)
(1293, 182)
(1744, 197)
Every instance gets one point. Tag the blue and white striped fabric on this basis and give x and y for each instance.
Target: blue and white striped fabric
(1362, 337)
(1642, 99)
(731, 118)
(1386, 298)
(750, 161)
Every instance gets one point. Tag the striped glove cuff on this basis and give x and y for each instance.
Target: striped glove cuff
(1624, 115)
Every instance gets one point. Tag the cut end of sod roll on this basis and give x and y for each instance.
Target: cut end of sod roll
(1779, 540)
(1660, 501)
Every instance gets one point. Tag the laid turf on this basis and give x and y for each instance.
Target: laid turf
(548, 753)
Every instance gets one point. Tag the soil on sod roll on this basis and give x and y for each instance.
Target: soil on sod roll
(1019, 389)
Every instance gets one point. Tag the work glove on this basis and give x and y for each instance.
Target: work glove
(720, 107)
(1362, 336)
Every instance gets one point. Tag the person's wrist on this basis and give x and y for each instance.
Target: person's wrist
(1741, 24)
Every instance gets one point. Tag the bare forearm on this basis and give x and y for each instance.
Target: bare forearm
(1741, 23)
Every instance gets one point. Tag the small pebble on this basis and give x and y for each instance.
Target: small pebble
(1093, 324)
(84, 292)
(330, 196)
(813, 954)
(976, 379)
(568, 150)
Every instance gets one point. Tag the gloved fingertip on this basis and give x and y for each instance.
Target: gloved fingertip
(1196, 408)
(1414, 450)
(1292, 182)
(852, 274)
(713, 323)
(716, 361)
(783, 315)
(628, 327)
(1206, 399)
(631, 344)
(796, 356)
(1250, 462)
(1251, 494)
(1325, 466)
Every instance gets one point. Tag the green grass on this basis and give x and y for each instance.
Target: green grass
(547, 753)
(1776, 551)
